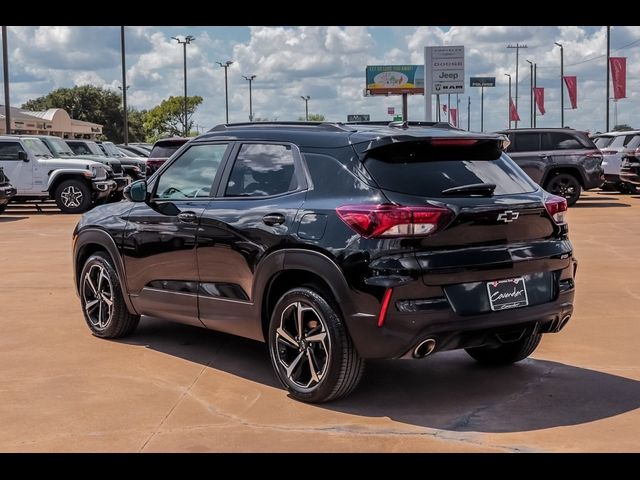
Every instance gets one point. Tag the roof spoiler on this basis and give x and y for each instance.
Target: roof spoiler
(449, 140)
(406, 124)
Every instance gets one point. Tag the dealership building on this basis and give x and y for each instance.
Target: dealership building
(54, 121)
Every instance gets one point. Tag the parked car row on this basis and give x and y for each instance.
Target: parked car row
(619, 148)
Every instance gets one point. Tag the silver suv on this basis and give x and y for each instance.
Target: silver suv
(74, 184)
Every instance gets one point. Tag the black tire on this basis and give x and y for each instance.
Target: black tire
(3, 207)
(564, 185)
(506, 353)
(116, 197)
(118, 322)
(625, 187)
(338, 367)
(73, 196)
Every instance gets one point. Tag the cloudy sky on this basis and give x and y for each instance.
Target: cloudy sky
(327, 63)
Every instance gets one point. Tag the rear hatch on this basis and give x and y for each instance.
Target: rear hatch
(500, 227)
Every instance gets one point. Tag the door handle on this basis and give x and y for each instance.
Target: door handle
(273, 219)
(187, 217)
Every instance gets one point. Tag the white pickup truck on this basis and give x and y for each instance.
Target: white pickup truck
(74, 184)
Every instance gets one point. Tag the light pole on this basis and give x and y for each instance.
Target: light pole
(250, 79)
(226, 65)
(5, 68)
(306, 106)
(517, 46)
(608, 56)
(561, 85)
(531, 107)
(187, 40)
(124, 89)
(509, 109)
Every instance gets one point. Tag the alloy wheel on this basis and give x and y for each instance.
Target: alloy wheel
(563, 187)
(303, 347)
(71, 197)
(97, 296)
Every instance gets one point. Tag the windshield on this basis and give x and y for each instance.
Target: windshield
(36, 147)
(59, 148)
(111, 150)
(95, 149)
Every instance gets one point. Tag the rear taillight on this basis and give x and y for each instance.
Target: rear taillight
(394, 220)
(557, 208)
(453, 142)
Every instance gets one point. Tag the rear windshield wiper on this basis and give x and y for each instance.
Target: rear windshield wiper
(485, 189)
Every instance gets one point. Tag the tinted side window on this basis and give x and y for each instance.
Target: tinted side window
(618, 141)
(527, 142)
(262, 170)
(192, 174)
(634, 142)
(9, 150)
(560, 141)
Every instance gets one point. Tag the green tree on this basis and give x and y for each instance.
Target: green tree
(167, 119)
(622, 128)
(313, 117)
(137, 132)
(88, 103)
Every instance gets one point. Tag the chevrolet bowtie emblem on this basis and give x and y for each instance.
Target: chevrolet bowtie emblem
(508, 216)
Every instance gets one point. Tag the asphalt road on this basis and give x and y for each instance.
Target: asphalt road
(178, 388)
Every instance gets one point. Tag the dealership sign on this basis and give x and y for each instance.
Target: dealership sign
(359, 118)
(482, 82)
(394, 79)
(444, 69)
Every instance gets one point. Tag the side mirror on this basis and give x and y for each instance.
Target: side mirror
(22, 155)
(136, 192)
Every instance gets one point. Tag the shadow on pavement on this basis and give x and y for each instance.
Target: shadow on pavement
(586, 204)
(448, 391)
(5, 219)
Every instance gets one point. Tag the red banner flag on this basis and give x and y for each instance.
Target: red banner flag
(539, 94)
(454, 116)
(619, 76)
(513, 112)
(572, 87)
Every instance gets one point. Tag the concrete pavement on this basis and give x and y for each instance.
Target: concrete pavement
(177, 388)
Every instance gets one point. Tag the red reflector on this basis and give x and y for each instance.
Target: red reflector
(385, 306)
(556, 206)
(453, 142)
(394, 220)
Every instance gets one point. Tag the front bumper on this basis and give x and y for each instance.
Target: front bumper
(6, 193)
(121, 182)
(103, 188)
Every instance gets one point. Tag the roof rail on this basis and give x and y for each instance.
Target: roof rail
(407, 124)
(330, 126)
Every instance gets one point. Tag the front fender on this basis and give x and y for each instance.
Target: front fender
(56, 174)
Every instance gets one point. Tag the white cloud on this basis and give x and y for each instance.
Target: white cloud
(326, 63)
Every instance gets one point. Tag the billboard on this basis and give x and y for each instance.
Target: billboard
(394, 79)
(482, 82)
(359, 117)
(444, 68)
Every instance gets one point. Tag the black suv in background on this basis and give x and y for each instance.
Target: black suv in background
(7, 192)
(162, 150)
(335, 243)
(562, 160)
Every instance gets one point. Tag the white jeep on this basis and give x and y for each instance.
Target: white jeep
(74, 184)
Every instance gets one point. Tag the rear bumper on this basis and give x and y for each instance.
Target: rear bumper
(418, 312)
(594, 179)
(611, 178)
(631, 173)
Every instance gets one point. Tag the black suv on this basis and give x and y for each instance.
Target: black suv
(564, 161)
(335, 243)
(7, 192)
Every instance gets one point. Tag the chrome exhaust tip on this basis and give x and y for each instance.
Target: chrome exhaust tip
(424, 348)
(563, 322)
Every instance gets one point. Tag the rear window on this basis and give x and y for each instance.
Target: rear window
(634, 142)
(427, 173)
(165, 150)
(602, 142)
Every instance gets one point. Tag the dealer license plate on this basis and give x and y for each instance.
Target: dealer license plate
(506, 294)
